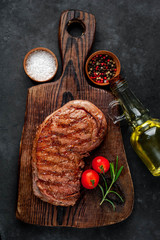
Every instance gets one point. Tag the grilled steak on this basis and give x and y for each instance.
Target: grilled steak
(61, 142)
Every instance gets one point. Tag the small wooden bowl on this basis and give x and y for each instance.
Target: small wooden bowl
(115, 59)
(40, 49)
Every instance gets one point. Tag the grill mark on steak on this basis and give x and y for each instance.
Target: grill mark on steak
(65, 125)
(55, 167)
(57, 179)
(62, 140)
(49, 162)
(59, 173)
(60, 183)
(58, 189)
(68, 135)
(59, 144)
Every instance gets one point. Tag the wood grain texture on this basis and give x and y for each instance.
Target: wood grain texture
(43, 100)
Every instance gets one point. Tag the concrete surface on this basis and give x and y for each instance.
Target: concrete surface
(130, 29)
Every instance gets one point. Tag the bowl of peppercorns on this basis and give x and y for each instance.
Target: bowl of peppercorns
(102, 66)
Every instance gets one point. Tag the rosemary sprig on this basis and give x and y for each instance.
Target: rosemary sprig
(115, 173)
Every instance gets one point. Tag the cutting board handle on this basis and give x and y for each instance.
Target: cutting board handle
(75, 49)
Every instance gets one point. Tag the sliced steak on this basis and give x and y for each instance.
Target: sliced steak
(61, 142)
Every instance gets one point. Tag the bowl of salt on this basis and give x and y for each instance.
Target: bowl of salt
(40, 64)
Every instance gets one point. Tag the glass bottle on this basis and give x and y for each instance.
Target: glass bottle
(145, 137)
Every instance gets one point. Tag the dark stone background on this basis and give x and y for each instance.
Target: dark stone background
(130, 29)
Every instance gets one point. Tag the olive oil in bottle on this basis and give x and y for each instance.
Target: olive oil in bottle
(145, 138)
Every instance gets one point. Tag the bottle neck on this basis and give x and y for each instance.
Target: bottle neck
(135, 112)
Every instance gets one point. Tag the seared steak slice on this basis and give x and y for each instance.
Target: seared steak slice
(61, 142)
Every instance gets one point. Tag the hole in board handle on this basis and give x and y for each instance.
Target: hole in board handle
(76, 28)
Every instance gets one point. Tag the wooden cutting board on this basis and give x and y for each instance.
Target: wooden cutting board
(43, 100)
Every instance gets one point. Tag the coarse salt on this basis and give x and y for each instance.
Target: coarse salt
(41, 65)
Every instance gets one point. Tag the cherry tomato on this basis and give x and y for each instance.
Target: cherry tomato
(100, 164)
(90, 179)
